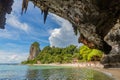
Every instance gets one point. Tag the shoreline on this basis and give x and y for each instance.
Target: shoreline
(112, 72)
(81, 64)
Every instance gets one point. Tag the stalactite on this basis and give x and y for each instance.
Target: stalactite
(46, 13)
(24, 6)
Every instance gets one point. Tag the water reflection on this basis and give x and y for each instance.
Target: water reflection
(32, 74)
(64, 74)
(23, 72)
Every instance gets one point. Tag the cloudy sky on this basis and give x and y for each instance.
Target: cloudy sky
(22, 30)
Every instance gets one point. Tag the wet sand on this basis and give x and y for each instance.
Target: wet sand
(114, 72)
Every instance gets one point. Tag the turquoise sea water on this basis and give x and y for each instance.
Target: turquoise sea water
(24, 72)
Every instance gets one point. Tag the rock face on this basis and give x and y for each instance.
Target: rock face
(113, 39)
(5, 8)
(95, 20)
(92, 18)
(34, 51)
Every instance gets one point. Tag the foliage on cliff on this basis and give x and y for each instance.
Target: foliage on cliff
(36, 44)
(65, 55)
(56, 55)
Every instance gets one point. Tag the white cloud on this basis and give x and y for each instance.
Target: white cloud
(5, 34)
(13, 18)
(9, 34)
(13, 21)
(17, 5)
(64, 36)
(12, 57)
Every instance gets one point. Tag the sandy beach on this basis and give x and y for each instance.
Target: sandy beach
(81, 64)
(113, 72)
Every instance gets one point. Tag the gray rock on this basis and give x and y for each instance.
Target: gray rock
(34, 51)
(5, 8)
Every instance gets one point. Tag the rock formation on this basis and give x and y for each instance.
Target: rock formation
(92, 18)
(113, 39)
(34, 51)
(95, 20)
(5, 8)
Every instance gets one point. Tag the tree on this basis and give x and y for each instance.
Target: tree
(95, 55)
(84, 51)
(47, 49)
(70, 49)
(90, 54)
(56, 55)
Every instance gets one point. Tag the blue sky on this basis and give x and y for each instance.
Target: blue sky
(22, 30)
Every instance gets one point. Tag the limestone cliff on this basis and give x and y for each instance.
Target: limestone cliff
(97, 21)
(113, 39)
(5, 8)
(92, 18)
(34, 51)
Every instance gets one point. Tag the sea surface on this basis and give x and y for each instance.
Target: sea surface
(25, 72)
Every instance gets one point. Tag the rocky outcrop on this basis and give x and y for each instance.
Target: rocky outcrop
(92, 18)
(5, 8)
(95, 20)
(113, 39)
(34, 51)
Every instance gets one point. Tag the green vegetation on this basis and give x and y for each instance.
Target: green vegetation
(29, 62)
(66, 55)
(90, 54)
(36, 44)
